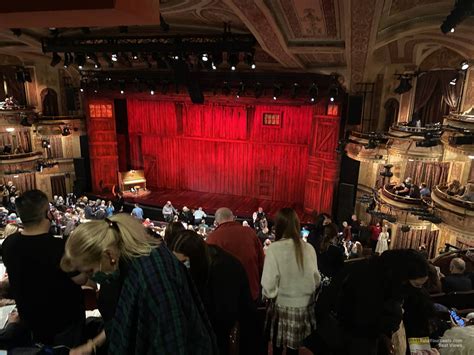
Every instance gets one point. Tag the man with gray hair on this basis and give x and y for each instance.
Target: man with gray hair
(457, 281)
(242, 243)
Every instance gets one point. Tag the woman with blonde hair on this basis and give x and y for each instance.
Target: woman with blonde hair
(154, 308)
(10, 228)
(289, 280)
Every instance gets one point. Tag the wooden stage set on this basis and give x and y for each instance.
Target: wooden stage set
(210, 202)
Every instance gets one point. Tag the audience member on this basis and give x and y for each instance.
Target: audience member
(346, 232)
(199, 215)
(89, 211)
(455, 188)
(330, 256)
(356, 251)
(166, 318)
(404, 188)
(49, 301)
(382, 243)
(374, 235)
(424, 191)
(109, 210)
(242, 243)
(186, 216)
(290, 278)
(469, 192)
(223, 286)
(355, 227)
(168, 212)
(257, 217)
(172, 231)
(316, 234)
(456, 281)
(137, 212)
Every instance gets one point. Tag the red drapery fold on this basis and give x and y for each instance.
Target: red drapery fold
(222, 148)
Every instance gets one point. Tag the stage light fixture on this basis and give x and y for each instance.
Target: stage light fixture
(216, 60)
(294, 90)
(277, 91)
(453, 82)
(313, 92)
(452, 30)
(80, 60)
(205, 57)
(67, 60)
(404, 86)
(333, 93)
(45, 143)
(134, 55)
(114, 57)
(464, 65)
(233, 60)
(66, 131)
(108, 60)
(241, 89)
(258, 90)
(122, 87)
(55, 60)
(462, 9)
(249, 59)
(226, 89)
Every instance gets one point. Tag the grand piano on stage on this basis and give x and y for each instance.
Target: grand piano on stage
(132, 181)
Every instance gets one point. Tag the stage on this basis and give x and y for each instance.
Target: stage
(210, 202)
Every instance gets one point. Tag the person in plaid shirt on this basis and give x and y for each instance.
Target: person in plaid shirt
(158, 310)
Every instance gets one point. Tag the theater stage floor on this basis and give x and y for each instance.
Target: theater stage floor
(210, 202)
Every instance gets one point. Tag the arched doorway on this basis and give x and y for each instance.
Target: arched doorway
(391, 113)
(49, 102)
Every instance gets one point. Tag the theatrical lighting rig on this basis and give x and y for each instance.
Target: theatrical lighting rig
(313, 92)
(207, 48)
(277, 91)
(66, 131)
(465, 65)
(462, 10)
(241, 90)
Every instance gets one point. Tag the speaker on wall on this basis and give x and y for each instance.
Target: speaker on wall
(355, 105)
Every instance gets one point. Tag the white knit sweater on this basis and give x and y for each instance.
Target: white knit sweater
(284, 280)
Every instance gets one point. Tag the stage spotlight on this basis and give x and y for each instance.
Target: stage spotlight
(152, 88)
(453, 82)
(54, 31)
(277, 90)
(205, 57)
(80, 60)
(122, 87)
(404, 86)
(464, 65)
(294, 90)
(216, 60)
(462, 10)
(67, 60)
(249, 59)
(226, 89)
(258, 90)
(45, 143)
(333, 93)
(108, 60)
(134, 55)
(66, 131)
(55, 60)
(114, 57)
(313, 92)
(233, 60)
(241, 90)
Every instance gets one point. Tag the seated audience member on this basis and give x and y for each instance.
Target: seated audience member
(199, 215)
(101, 212)
(263, 235)
(257, 217)
(137, 212)
(414, 192)
(469, 193)
(10, 228)
(456, 281)
(455, 188)
(49, 302)
(223, 286)
(169, 211)
(289, 280)
(242, 243)
(404, 188)
(186, 215)
(164, 318)
(424, 191)
(357, 251)
(109, 210)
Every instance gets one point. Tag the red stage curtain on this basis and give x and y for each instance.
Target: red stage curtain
(223, 149)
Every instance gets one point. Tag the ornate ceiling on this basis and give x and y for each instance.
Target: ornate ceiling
(343, 36)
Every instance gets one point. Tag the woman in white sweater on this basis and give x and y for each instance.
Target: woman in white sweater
(289, 280)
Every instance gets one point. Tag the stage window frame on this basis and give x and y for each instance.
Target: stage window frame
(272, 119)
